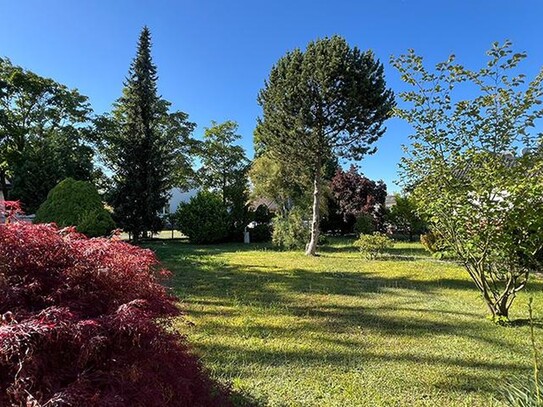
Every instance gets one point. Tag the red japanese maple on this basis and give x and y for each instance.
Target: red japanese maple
(79, 325)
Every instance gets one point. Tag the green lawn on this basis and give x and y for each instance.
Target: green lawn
(337, 330)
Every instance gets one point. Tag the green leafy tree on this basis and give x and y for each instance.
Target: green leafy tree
(146, 146)
(481, 192)
(76, 203)
(222, 159)
(204, 218)
(44, 134)
(404, 216)
(273, 179)
(328, 100)
(224, 170)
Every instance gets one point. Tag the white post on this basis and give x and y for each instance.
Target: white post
(246, 236)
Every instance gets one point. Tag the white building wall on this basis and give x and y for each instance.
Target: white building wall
(178, 196)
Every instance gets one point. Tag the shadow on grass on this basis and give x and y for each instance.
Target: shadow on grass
(537, 322)
(224, 290)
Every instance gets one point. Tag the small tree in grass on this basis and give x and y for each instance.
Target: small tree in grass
(482, 194)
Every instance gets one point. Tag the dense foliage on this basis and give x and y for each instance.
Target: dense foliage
(76, 203)
(275, 180)
(477, 166)
(374, 245)
(404, 218)
(224, 170)
(44, 135)
(356, 194)
(290, 231)
(329, 100)
(78, 325)
(365, 224)
(433, 242)
(204, 219)
(145, 145)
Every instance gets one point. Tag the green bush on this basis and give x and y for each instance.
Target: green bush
(76, 203)
(433, 242)
(365, 224)
(262, 214)
(373, 246)
(204, 219)
(261, 233)
(290, 232)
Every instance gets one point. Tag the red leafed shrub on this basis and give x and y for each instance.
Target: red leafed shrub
(79, 325)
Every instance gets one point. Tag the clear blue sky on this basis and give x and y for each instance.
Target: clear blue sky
(213, 56)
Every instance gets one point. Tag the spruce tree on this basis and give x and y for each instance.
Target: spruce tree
(144, 146)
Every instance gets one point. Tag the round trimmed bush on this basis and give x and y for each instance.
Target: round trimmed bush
(76, 203)
(204, 219)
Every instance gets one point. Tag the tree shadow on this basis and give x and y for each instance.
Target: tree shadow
(221, 290)
(416, 252)
(519, 322)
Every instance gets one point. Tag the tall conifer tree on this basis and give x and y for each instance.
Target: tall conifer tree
(145, 146)
(329, 100)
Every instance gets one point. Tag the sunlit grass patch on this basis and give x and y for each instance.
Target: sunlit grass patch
(338, 330)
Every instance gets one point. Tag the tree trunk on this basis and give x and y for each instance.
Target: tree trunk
(3, 185)
(315, 223)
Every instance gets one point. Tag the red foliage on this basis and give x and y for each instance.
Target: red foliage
(79, 325)
(356, 194)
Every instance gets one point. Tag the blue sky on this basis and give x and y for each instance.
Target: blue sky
(213, 56)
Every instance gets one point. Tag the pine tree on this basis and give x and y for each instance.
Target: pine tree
(329, 100)
(145, 146)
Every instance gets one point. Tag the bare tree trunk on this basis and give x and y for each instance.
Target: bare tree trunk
(315, 223)
(3, 185)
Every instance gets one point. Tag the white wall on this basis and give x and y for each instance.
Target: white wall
(178, 196)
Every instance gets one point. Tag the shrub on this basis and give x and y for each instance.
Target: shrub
(262, 214)
(261, 233)
(78, 325)
(373, 246)
(204, 218)
(290, 232)
(365, 224)
(433, 242)
(76, 203)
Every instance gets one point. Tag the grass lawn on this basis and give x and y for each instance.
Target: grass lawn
(337, 330)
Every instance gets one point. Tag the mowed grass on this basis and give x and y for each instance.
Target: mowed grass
(337, 330)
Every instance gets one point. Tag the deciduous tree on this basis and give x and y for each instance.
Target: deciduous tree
(477, 164)
(44, 134)
(404, 216)
(224, 170)
(356, 194)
